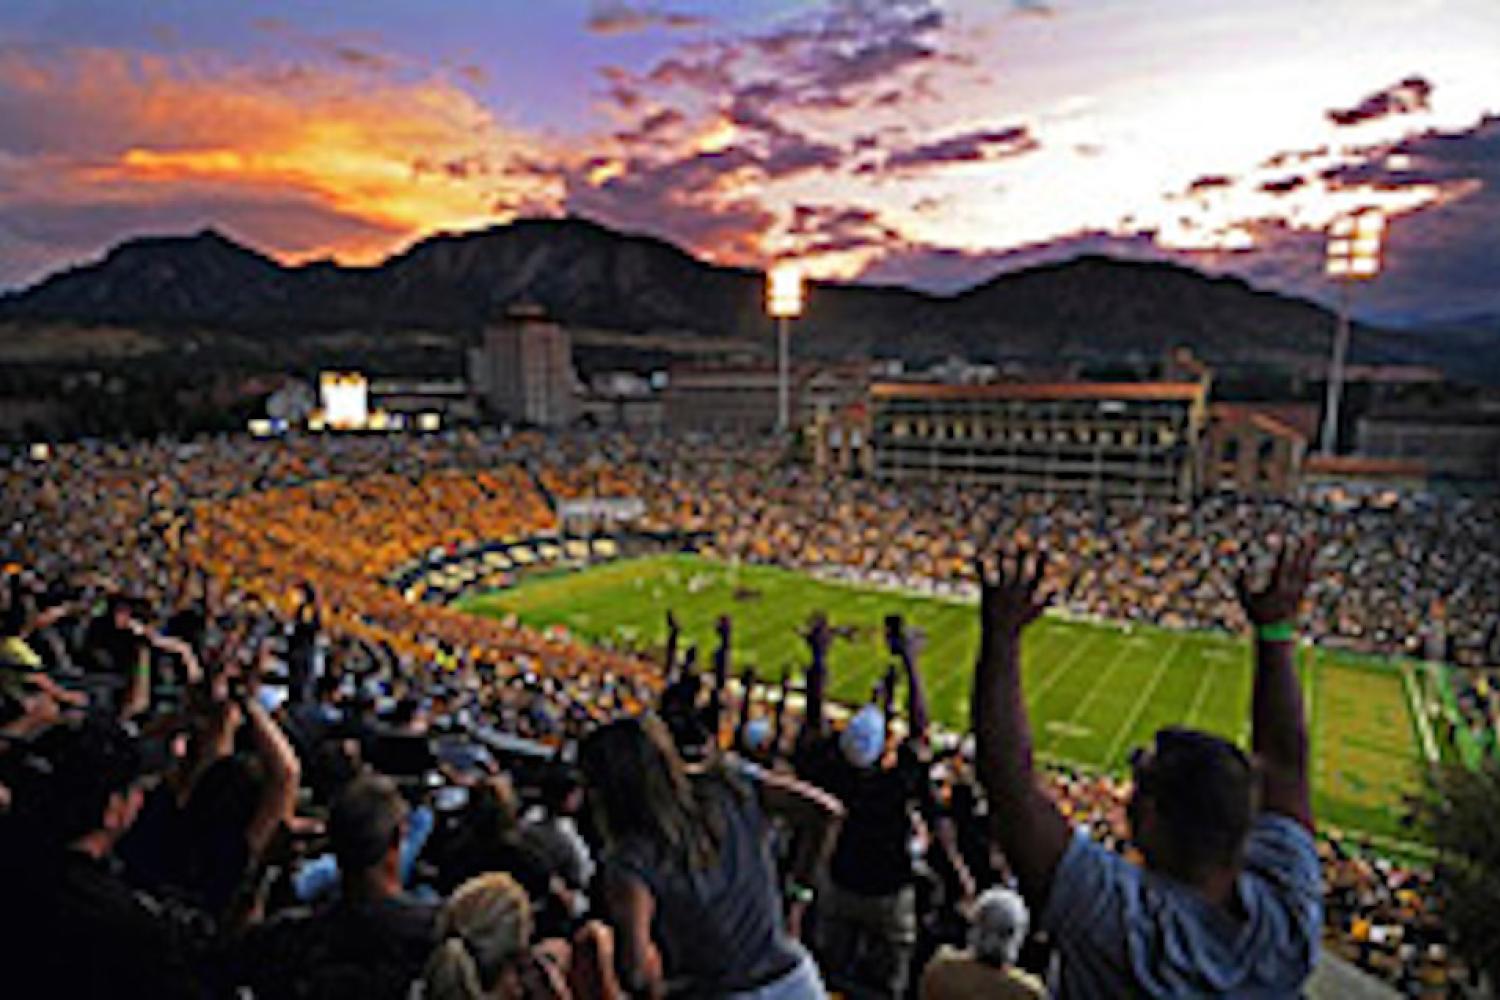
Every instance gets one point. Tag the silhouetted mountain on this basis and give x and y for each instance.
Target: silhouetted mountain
(1090, 308)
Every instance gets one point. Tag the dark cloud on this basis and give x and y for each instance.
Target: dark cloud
(1411, 94)
(1210, 182)
(1292, 157)
(650, 202)
(708, 73)
(1283, 185)
(826, 229)
(827, 60)
(970, 147)
(1440, 261)
(653, 127)
(1035, 8)
(358, 57)
(619, 17)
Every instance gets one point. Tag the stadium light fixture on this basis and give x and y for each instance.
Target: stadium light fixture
(784, 300)
(1354, 254)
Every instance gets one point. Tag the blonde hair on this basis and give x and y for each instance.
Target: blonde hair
(484, 927)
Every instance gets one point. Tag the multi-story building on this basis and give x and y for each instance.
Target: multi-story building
(744, 398)
(525, 371)
(1456, 444)
(1103, 438)
(1257, 448)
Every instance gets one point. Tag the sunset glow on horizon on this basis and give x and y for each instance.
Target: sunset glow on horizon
(915, 141)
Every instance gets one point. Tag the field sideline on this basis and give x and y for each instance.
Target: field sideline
(1095, 690)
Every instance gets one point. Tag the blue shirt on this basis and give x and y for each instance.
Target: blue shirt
(1123, 931)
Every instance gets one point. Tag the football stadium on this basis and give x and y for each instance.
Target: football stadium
(749, 500)
(1097, 690)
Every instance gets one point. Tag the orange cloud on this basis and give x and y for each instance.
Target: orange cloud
(365, 156)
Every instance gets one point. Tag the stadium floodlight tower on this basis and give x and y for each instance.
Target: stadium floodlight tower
(1354, 244)
(784, 302)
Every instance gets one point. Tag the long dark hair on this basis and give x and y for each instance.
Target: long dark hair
(639, 788)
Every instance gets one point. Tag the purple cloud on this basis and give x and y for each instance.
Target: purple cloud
(1411, 94)
(970, 147)
(823, 229)
(619, 17)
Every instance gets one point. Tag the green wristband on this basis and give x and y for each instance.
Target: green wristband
(1276, 632)
(799, 893)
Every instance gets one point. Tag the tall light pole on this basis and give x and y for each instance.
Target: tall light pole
(1354, 243)
(784, 303)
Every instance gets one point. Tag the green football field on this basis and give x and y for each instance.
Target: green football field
(1095, 690)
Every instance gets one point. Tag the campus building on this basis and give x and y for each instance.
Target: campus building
(1102, 438)
(524, 370)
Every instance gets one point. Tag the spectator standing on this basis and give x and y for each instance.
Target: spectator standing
(867, 912)
(689, 882)
(1229, 900)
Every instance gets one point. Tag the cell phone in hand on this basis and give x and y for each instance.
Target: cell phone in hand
(450, 798)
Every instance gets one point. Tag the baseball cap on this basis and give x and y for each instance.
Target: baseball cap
(863, 739)
(757, 734)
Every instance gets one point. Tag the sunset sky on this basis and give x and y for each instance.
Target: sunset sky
(914, 141)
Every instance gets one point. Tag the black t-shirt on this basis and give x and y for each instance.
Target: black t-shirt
(719, 929)
(873, 853)
(475, 856)
(112, 650)
(367, 950)
(79, 931)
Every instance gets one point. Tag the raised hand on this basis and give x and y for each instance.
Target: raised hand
(1280, 600)
(1010, 592)
(818, 635)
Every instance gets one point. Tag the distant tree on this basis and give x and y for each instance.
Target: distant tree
(1460, 812)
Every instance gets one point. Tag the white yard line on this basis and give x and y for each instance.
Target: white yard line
(960, 671)
(1197, 702)
(1419, 713)
(1100, 683)
(1062, 668)
(1142, 702)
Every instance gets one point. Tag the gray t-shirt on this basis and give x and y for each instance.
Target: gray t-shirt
(720, 929)
(1124, 931)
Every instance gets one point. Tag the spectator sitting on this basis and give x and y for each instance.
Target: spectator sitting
(76, 927)
(370, 944)
(491, 840)
(988, 967)
(485, 950)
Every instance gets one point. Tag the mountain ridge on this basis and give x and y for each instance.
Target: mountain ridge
(1091, 307)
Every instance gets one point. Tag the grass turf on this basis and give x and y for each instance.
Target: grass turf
(1095, 690)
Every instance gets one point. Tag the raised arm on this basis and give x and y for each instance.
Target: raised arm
(674, 633)
(786, 687)
(815, 817)
(819, 638)
(906, 644)
(725, 629)
(278, 797)
(1027, 824)
(747, 685)
(1278, 725)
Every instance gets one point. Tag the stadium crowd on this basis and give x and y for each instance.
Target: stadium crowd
(231, 758)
